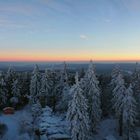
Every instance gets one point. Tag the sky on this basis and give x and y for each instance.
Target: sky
(69, 30)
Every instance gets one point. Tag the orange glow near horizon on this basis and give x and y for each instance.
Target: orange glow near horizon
(42, 57)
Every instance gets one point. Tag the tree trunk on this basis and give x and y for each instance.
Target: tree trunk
(54, 103)
(128, 135)
(121, 125)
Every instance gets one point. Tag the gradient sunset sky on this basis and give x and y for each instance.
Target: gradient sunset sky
(74, 30)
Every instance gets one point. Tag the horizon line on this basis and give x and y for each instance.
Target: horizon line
(69, 61)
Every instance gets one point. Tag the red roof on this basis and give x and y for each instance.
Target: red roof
(8, 110)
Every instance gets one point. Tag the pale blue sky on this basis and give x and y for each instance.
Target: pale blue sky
(69, 29)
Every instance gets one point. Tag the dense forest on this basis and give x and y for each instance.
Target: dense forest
(82, 99)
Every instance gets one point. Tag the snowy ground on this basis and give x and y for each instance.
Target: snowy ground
(107, 129)
(12, 122)
(55, 126)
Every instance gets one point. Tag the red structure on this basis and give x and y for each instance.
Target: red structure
(8, 110)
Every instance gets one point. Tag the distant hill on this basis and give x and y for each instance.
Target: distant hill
(100, 67)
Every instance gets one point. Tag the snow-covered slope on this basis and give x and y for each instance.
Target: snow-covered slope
(53, 125)
(12, 122)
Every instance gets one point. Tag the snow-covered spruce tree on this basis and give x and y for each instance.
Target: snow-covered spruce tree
(3, 92)
(15, 92)
(115, 72)
(136, 88)
(84, 82)
(16, 89)
(46, 85)
(78, 114)
(66, 97)
(10, 73)
(129, 113)
(117, 100)
(36, 111)
(53, 95)
(64, 74)
(9, 78)
(136, 80)
(63, 80)
(93, 93)
(136, 73)
(62, 88)
(112, 84)
(35, 85)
